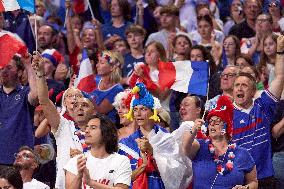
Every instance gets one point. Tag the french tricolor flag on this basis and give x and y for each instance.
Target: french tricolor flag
(11, 5)
(86, 78)
(10, 45)
(184, 76)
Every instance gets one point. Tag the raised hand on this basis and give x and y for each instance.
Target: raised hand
(74, 152)
(37, 64)
(144, 145)
(280, 43)
(81, 165)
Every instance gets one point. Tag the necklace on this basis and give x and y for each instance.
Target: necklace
(228, 157)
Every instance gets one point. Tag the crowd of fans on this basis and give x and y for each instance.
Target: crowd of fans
(129, 131)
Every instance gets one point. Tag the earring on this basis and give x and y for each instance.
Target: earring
(223, 131)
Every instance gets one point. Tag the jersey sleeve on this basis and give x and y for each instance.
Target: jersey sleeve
(123, 174)
(268, 101)
(117, 89)
(246, 162)
(71, 166)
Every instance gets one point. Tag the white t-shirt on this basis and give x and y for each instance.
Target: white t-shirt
(112, 170)
(35, 184)
(65, 139)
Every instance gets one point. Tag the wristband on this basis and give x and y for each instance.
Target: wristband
(280, 52)
(40, 76)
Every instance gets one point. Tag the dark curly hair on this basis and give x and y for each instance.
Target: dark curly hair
(12, 175)
(109, 133)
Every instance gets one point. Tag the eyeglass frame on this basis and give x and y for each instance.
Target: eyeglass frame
(229, 75)
(217, 121)
(24, 155)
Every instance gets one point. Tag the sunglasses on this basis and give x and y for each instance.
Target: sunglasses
(24, 155)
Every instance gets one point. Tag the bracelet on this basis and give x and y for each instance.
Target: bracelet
(280, 52)
(40, 76)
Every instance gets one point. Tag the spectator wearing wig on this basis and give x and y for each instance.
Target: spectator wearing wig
(122, 105)
(107, 82)
(218, 157)
(144, 109)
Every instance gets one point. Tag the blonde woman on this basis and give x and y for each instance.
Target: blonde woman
(108, 82)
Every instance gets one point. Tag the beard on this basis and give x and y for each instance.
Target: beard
(20, 166)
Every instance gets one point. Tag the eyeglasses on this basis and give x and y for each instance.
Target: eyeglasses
(24, 155)
(215, 121)
(228, 75)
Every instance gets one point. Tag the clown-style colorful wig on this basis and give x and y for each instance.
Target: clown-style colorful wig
(124, 98)
(143, 97)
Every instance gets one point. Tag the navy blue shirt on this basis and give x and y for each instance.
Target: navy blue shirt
(129, 63)
(16, 123)
(109, 30)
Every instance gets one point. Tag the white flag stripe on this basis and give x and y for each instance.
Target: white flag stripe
(10, 5)
(85, 69)
(183, 76)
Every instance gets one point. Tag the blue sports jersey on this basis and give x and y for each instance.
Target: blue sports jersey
(252, 132)
(109, 94)
(205, 174)
(129, 148)
(129, 63)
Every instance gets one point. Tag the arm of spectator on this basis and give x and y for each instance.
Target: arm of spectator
(43, 129)
(251, 181)
(278, 129)
(104, 107)
(70, 32)
(104, 5)
(255, 42)
(276, 85)
(73, 180)
(140, 169)
(48, 107)
(190, 146)
(161, 94)
(32, 96)
(99, 34)
(171, 48)
(140, 13)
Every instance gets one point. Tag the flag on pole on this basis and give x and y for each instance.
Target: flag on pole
(86, 78)
(80, 6)
(9, 46)
(184, 76)
(11, 5)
